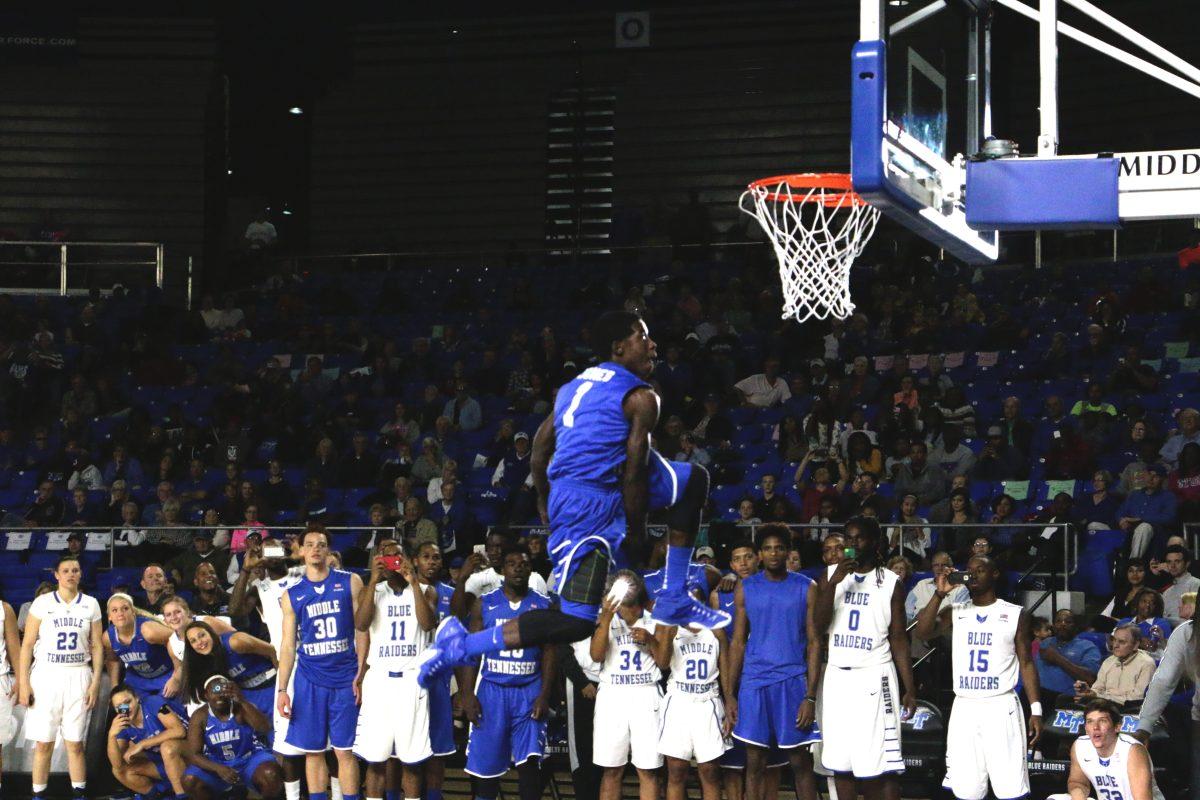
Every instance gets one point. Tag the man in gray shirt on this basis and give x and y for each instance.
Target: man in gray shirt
(1183, 582)
(1181, 660)
(919, 477)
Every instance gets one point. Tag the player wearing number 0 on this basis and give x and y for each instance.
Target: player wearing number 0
(626, 722)
(319, 644)
(770, 661)
(597, 478)
(986, 739)
(399, 614)
(860, 606)
(1115, 764)
(59, 677)
(508, 705)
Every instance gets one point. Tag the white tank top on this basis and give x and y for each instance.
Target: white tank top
(1110, 776)
(985, 651)
(862, 614)
(270, 603)
(626, 663)
(397, 640)
(65, 633)
(694, 664)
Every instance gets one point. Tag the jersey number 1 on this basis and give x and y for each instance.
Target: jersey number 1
(568, 417)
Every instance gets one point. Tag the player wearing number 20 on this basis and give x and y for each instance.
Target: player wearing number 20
(986, 737)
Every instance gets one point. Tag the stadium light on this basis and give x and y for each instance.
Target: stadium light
(295, 111)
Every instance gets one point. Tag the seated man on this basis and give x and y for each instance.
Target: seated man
(146, 743)
(1125, 675)
(1111, 763)
(1064, 658)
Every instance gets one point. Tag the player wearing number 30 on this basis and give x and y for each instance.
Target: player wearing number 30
(319, 643)
(991, 638)
(399, 614)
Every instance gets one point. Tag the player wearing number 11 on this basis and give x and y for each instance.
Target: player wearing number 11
(986, 738)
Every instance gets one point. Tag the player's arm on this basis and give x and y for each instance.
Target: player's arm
(808, 707)
(1029, 675)
(663, 642)
(826, 589)
(1078, 786)
(737, 645)
(463, 598)
(364, 609)
(541, 705)
(241, 600)
(598, 649)
(930, 620)
(12, 638)
(246, 644)
(287, 657)
(468, 673)
(112, 664)
(97, 645)
(901, 654)
(219, 625)
(173, 728)
(1141, 774)
(24, 691)
(251, 716)
(641, 409)
(539, 462)
(424, 600)
(157, 633)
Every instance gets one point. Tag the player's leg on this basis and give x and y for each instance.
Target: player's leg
(73, 727)
(342, 713)
(291, 758)
(174, 762)
(529, 779)
(709, 773)
(262, 773)
(801, 762)
(610, 783)
(677, 777)
(527, 737)
(756, 766)
(732, 783)
(347, 772)
(200, 784)
(375, 780)
(647, 784)
(1001, 738)
(771, 780)
(316, 773)
(410, 779)
(138, 777)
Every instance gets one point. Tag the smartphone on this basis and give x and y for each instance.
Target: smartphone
(123, 708)
(273, 551)
(850, 554)
(957, 578)
(481, 549)
(392, 562)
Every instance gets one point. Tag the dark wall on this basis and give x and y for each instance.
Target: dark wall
(112, 143)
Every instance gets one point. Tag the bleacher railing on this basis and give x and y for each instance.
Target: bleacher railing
(38, 262)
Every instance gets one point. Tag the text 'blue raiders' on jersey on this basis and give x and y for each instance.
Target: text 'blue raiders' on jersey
(984, 648)
(511, 667)
(325, 620)
(590, 427)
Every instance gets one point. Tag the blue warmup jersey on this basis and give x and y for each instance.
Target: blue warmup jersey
(325, 619)
(444, 592)
(511, 667)
(152, 725)
(148, 667)
(249, 671)
(590, 428)
(441, 708)
(229, 742)
(778, 641)
(725, 602)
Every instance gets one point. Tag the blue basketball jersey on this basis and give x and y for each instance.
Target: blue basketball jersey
(590, 428)
(511, 667)
(725, 602)
(444, 592)
(778, 641)
(325, 636)
(249, 671)
(152, 706)
(227, 741)
(144, 662)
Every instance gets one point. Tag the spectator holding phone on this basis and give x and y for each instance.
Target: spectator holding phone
(1064, 658)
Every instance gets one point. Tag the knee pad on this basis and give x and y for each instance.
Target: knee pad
(586, 583)
(551, 626)
(685, 514)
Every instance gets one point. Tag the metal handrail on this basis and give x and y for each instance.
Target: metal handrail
(65, 262)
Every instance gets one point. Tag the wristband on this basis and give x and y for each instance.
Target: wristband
(810, 699)
(1035, 709)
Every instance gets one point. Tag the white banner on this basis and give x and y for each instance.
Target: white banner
(1157, 170)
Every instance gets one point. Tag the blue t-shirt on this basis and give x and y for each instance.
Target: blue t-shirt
(590, 428)
(1077, 651)
(444, 592)
(511, 667)
(777, 612)
(1165, 626)
(153, 708)
(325, 622)
(227, 741)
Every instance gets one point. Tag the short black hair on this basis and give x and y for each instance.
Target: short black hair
(867, 525)
(738, 544)
(613, 327)
(515, 547)
(774, 531)
(119, 688)
(1177, 548)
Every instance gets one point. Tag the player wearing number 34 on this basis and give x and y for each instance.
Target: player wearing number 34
(986, 739)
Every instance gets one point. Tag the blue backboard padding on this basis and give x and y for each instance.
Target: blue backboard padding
(1013, 194)
(868, 89)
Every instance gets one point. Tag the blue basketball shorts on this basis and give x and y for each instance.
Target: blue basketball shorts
(245, 769)
(506, 735)
(667, 479)
(322, 716)
(735, 757)
(583, 520)
(767, 715)
(441, 719)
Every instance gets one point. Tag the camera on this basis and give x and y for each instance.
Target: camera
(123, 708)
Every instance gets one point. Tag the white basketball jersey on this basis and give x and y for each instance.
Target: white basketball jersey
(862, 614)
(65, 634)
(270, 603)
(396, 637)
(694, 664)
(985, 651)
(627, 663)
(1110, 776)
(5, 667)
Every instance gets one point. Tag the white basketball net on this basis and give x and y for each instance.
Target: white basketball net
(817, 233)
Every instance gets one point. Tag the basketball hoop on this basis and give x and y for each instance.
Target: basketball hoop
(818, 226)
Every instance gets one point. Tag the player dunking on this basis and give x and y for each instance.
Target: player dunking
(986, 737)
(602, 481)
(319, 643)
(860, 605)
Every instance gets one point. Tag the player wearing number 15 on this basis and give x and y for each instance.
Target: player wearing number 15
(59, 675)
(986, 738)
(319, 643)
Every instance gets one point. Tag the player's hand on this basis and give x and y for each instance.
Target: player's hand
(93, 696)
(731, 712)
(727, 584)
(471, 708)
(589, 691)
(608, 608)
(474, 562)
(806, 714)
(643, 637)
(228, 774)
(1035, 729)
(377, 570)
(171, 687)
(283, 705)
(1142, 736)
(941, 583)
(909, 701)
(120, 722)
(357, 685)
(844, 568)
(25, 695)
(541, 708)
